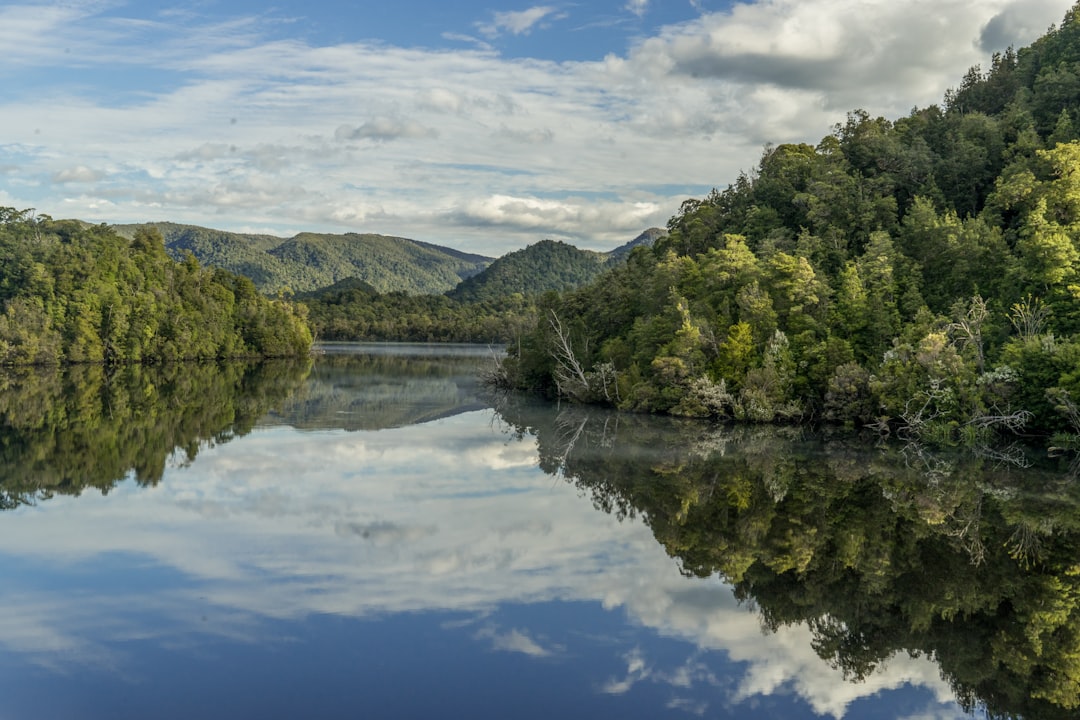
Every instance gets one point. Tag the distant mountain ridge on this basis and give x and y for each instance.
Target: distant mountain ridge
(313, 263)
(309, 261)
(645, 239)
(546, 265)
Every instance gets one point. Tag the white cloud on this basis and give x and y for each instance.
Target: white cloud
(638, 7)
(695, 707)
(442, 100)
(891, 55)
(559, 218)
(516, 22)
(517, 641)
(77, 174)
(247, 132)
(636, 671)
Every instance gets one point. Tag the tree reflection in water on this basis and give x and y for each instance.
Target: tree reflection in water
(879, 549)
(63, 430)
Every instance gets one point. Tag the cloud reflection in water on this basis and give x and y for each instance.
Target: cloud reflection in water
(448, 516)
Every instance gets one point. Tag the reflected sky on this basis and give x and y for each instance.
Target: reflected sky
(426, 570)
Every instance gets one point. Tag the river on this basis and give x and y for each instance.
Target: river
(369, 534)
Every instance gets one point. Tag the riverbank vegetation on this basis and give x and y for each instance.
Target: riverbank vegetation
(74, 293)
(921, 276)
(352, 310)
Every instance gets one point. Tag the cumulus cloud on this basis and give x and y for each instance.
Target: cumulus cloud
(515, 22)
(851, 51)
(443, 100)
(695, 707)
(556, 216)
(637, 670)
(1018, 23)
(77, 174)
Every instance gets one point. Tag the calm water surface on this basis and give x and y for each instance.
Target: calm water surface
(367, 535)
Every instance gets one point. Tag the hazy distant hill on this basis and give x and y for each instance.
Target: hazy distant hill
(646, 238)
(310, 261)
(547, 265)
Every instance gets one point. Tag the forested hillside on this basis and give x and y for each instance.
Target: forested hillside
(354, 311)
(75, 427)
(879, 552)
(310, 261)
(543, 266)
(920, 275)
(491, 307)
(546, 265)
(76, 293)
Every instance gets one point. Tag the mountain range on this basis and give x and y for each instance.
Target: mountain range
(309, 262)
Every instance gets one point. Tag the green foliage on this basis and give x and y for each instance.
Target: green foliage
(890, 258)
(75, 293)
(350, 311)
(546, 265)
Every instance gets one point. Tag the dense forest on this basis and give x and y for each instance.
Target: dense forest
(917, 275)
(71, 292)
(881, 551)
(310, 261)
(493, 306)
(546, 265)
(355, 311)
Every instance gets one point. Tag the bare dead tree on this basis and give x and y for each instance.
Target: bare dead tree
(1013, 420)
(1013, 455)
(917, 417)
(569, 431)
(570, 377)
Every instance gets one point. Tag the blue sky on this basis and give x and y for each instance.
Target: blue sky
(485, 125)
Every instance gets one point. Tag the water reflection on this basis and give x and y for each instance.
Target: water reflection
(880, 552)
(63, 430)
(371, 386)
(385, 567)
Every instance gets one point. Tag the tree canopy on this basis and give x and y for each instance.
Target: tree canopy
(919, 275)
(71, 292)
